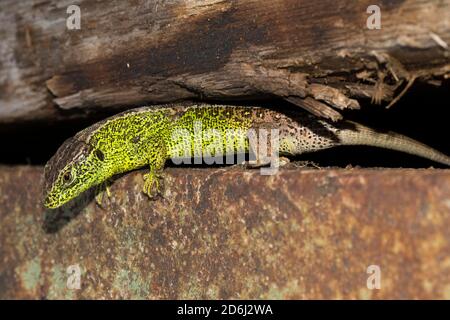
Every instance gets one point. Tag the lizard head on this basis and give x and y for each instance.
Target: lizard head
(74, 168)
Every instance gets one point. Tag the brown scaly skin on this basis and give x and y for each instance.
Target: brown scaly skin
(149, 136)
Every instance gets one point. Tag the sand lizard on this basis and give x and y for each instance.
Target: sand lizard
(146, 137)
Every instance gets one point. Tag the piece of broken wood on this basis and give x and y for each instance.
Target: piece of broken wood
(317, 54)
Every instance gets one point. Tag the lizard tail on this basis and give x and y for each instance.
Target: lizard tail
(361, 135)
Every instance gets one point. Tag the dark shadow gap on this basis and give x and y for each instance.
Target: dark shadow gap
(421, 114)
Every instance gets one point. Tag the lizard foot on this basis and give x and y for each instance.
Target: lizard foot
(282, 161)
(153, 185)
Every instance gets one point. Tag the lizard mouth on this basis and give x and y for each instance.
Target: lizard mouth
(48, 203)
(51, 202)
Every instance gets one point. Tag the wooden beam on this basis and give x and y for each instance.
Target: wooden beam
(162, 51)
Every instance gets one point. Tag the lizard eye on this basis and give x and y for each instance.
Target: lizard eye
(99, 155)
(67, 177)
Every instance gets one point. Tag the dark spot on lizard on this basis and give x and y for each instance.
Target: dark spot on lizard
(313, 123)
(99, 154)
(136, 139)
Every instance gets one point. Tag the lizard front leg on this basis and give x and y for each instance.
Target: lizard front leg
(101, 189)
(154, 179)
(153, 183)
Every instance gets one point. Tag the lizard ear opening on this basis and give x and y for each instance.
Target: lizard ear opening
(99, 154)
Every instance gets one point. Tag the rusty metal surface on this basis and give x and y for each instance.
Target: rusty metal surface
(225, 233)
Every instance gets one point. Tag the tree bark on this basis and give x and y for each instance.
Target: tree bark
(316, 54)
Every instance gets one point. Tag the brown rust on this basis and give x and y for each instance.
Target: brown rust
(229, 233)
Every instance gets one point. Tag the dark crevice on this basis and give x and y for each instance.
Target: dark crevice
(421, 114)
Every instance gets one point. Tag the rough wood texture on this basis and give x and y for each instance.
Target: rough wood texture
(228, 233)
(158, 51)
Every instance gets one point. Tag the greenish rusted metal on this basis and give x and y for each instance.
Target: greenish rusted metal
(230, 233)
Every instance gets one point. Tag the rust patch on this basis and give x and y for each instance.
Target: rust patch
(232, 233)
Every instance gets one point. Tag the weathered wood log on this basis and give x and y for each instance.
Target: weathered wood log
(314, 53)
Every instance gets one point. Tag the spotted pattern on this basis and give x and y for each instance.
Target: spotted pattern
(149, 136)
(214, 131)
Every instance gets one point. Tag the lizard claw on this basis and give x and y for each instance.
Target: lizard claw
(100, 193)
(153, 185)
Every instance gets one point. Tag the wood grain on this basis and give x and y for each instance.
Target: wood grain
(140, 52)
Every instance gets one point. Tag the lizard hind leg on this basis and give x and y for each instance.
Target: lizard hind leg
(259, 163)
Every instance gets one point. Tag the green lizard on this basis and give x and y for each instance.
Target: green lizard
(149, 136)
